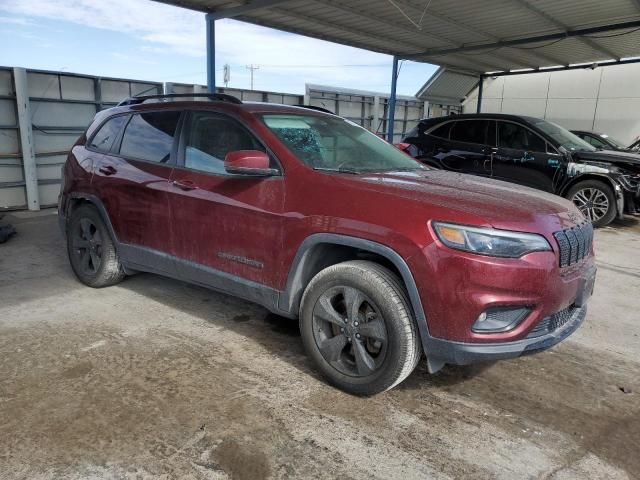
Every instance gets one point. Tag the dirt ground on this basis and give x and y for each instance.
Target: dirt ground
(154, 378)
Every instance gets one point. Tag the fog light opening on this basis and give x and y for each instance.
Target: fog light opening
(500, 319)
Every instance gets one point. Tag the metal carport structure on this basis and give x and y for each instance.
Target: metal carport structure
(492, 36)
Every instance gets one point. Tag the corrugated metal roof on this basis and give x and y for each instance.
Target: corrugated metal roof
(444, 32)
(447, 87)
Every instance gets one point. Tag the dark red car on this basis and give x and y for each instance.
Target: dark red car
(381, 258)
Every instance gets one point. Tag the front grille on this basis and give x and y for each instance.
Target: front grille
(574, 243)
(553, 322)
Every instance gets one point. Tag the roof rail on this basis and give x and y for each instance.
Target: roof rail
(221, 97)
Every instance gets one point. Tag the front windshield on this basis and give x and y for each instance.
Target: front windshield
(564, 137)
(335, 144)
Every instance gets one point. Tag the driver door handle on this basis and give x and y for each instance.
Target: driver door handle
(108, 170)
(184, 184)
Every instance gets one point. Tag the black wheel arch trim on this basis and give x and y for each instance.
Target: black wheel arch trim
(63, 216)
(289, 300)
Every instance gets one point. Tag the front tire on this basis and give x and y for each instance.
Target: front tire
(596, 201)
(92, 254)
(357, 326)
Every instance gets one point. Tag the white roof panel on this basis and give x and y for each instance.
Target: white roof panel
(468, 35)
(447, 87)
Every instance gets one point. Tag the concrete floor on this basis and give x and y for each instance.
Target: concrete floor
(154, 378)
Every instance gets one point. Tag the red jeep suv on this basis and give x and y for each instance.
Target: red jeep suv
(310, 215)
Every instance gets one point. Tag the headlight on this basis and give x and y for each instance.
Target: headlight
(489, 241)
(629, 181)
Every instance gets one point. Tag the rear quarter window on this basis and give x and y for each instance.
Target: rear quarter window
(106, 135)
(470, 131)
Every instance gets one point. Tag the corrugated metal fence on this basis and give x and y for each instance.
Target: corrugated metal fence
(49, 111)
(56, 108)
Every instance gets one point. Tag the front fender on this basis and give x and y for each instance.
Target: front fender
(289, 300)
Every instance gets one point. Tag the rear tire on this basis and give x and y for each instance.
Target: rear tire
(357, 326)
(596, 201)
(91, 251)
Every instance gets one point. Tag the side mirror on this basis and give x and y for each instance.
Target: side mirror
(249, 162)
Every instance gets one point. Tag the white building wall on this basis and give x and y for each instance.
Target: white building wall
(606, 99)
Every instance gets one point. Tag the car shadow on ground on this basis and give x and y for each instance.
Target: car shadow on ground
(628, 222)
(280, 335)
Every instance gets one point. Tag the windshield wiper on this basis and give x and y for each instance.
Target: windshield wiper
(399, 169)
(338, 170)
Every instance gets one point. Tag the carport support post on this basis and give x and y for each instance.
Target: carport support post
(480, 84)
(211, 53)
(391, 114)
(26, 138)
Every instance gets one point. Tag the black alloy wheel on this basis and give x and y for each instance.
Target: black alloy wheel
(349, 331)
(87, 246)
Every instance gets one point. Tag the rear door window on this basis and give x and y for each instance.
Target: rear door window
(516, 137)
(442, 131)
(104, 138)
(149, 136)
(470, 131)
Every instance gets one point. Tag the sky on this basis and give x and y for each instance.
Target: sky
(146, 40)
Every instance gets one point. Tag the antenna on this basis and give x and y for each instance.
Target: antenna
(252, 67)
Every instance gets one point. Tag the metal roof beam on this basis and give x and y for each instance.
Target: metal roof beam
(411, 30)
(578, 32)
(372, 18)
(590, 66)
(477, 31)
(541, 56)
(244, 9)
(596, 46)
(478, 64)
(587, 41)
(371, 36)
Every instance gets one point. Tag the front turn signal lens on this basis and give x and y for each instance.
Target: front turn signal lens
(451, 235)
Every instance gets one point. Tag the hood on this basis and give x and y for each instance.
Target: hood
(626, 160)
(490, 202)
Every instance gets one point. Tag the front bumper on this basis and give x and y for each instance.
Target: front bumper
(441, 351)
(468, 285)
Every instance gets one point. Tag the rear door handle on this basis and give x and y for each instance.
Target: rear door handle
(184, 184)
(108, 170)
